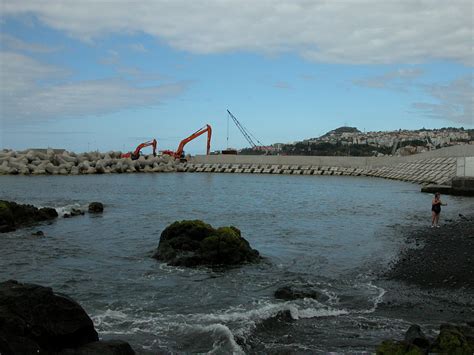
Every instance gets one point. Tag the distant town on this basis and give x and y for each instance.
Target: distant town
(345, 141)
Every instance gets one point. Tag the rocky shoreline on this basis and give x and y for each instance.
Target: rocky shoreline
(438, 257)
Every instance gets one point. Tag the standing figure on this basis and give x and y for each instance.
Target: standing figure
(436, 210)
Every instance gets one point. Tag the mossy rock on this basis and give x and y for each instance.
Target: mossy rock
(452, 340)
(194, 243)
(391, 347)
(13, 215)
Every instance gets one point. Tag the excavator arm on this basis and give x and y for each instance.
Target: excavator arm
(180, 151)
(136, 154)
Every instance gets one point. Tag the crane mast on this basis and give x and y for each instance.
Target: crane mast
(248, 136)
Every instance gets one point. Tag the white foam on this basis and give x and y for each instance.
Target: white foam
(376, 299)
(62, 210)
(109, 317)
(223, 338)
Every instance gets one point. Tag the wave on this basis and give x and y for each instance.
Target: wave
(223, 331)
(62, 210)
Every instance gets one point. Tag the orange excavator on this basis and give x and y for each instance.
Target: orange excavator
(179, 154)
(136, 153)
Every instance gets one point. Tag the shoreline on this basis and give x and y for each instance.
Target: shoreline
(437, 258)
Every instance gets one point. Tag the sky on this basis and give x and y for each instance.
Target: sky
(107, 75)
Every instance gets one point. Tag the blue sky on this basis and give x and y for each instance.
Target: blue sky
(86, 75)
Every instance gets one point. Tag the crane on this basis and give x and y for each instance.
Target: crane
(179, 154)
(248, 136)
(136, 153)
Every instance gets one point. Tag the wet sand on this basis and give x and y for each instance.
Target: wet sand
(438, 257)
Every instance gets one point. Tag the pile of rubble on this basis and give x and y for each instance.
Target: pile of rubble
(50, 162)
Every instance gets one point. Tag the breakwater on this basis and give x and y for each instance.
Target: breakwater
(438, 167)
(53, 162)
(436, 170)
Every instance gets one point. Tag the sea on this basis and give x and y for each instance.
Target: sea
(333, 234)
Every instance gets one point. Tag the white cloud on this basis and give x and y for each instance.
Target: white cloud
(453, 102)
(33, 92)
(396, 80)
(138, 47)
(357, 32)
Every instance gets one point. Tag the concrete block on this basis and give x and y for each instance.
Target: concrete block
(287, 171)
(297, 172)
(239, 170)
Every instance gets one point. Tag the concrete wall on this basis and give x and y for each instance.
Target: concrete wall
(434, 167)
(465, 167)
(353, 162)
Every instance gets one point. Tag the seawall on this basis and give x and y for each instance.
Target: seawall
(434, 167)
(437, 167)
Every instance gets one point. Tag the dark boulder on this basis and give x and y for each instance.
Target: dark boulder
(74, 212)
(194, 243)
(96, 207)
(35, 316)
(108, 347)
(415, 336)
(454, 339)
(13, 215)
(34, 319)
(391, 347)
(289, 293)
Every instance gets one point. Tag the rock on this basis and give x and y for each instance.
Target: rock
(289, 293)
(194, 243)
(74, 212)
(13, 215)
(275, 322)
(38, 233)
(391, 347)
(452, 340)
(32, 317)
(96, 207)
(415, 336)
(109, 347)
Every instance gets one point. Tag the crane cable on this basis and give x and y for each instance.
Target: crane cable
(248, 135)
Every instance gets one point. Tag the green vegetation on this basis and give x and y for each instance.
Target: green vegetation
(329, 149)
(193, 243)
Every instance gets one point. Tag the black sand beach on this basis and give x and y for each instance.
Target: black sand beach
(438, 257)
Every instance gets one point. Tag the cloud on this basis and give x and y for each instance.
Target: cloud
(355, 32)
(453, 101)
(138, 47)
(395, 80)
(16, 44)
(34, 92)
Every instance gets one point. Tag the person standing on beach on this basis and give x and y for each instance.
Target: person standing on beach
(436, 210)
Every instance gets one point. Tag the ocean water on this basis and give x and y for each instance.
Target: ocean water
(332, 234)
